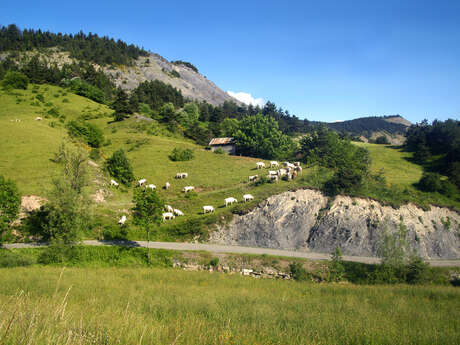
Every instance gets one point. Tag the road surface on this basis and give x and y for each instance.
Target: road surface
(216, 248)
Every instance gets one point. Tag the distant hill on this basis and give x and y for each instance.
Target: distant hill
(369, 128)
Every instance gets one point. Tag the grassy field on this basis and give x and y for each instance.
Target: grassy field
(394, 161)
(44, 305)
(28, 147)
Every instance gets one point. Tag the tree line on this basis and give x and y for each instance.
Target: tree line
(88, 47)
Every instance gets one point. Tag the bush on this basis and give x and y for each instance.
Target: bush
(220, 151)
(12, 259)
(298, 272)
(93, 135)
(382, 140)
(15, 80)
(10, 201)
(115, 232)
(214, 262)
(430, 182)
(119, 167)
(95, 154)
(181, 155)
(87, 90)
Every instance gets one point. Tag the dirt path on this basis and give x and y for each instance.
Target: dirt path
(215, 248)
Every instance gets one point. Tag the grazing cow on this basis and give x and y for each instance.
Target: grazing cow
(282, 172)
(253, 178)
(168, 215)
(298, 169)
(182, 175)
(272, 172)
(178, 212)
(207, 209)
(297, 164)
(152, 186)
(291, 166)
(247, 197)
(274, 164)
(286, 164)
(38, 118)
(141, 182)
(188, 189)
(169, 208)
(260, 165)
(230, 201)
(273, 177)
(122, 220)
(167, 185)
(114, 183)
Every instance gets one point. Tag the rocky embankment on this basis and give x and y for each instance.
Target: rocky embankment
(307, 220)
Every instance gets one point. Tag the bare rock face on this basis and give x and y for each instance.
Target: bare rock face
(303, 220)
(193, 85)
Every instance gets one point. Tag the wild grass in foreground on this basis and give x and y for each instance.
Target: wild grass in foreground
(165, 306)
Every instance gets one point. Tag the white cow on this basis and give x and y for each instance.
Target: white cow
(285, 164)
(182, 175)
(167, 185)
(297, 164)
(178, 212)
(282, 172)
(38, 118)
(291, 166)
(169, 208)
(168, 215)
(152, 186)
(122, 220)
(188, 189)
(298, 169)
(274, 164)
(260, 165)
(253, 178)
(207, 209)
(272, 172)
(114, 183)
(247, 197)
(141, 182)
(230, 201)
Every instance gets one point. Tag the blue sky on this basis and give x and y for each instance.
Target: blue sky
(321, 60)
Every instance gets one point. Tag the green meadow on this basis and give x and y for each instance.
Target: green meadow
(46, 305)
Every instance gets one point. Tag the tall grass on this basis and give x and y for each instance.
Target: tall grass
(166, 306)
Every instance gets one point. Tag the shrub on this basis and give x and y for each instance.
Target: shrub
(297, 271)
(430, 182)
(115, 232)
(119, 167)
(214, 262)
(10, 201)
(95, 154)
(12, 259)
(383, 140)
(178, 154)
(220, 151)
(15, 80)
(93, 135)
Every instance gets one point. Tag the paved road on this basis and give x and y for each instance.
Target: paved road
(216, 248)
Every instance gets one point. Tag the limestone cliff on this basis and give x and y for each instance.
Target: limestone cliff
(305, 220)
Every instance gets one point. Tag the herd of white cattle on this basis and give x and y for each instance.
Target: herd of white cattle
(290, 171)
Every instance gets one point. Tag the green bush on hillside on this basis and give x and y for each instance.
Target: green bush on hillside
(119, 167)
(180, 155)
(15, 80)
(10, 201)
(93, 135)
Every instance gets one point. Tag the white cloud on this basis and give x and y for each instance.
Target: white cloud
(247, 98)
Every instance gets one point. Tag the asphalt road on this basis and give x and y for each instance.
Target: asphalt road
(216, 248)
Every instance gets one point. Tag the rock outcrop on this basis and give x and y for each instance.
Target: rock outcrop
(193, 85)
(308, 220)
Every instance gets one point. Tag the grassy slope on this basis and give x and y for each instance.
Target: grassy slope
(397, 168)
(166, 306)
(28, 146)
